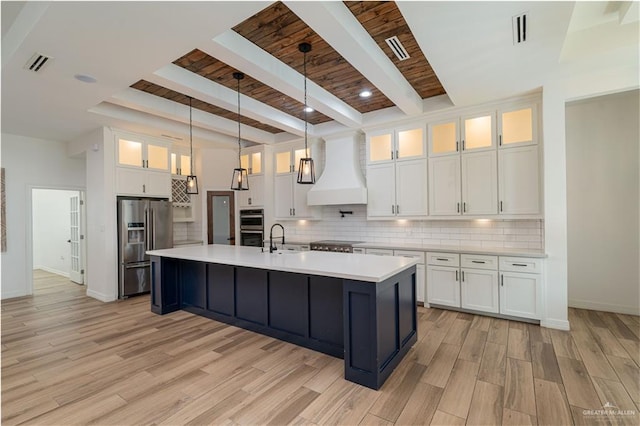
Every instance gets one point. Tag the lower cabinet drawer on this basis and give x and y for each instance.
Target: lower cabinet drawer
(443, 259)
(521, 264)
(479, 261)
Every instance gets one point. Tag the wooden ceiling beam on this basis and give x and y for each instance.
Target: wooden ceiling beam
(240, 53)
(334, 22)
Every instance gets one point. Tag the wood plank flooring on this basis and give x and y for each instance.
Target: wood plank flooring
(70, 359)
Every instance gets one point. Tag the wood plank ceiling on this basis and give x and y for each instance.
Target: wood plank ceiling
(278, 31)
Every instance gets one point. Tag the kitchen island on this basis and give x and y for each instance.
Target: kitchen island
(357, 307)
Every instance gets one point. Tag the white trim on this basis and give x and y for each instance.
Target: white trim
(51, 270)
(556, 324)
(13, 294)
(606, 307)
(101, 296)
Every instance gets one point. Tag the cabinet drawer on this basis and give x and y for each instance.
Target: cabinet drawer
(358, 251)
(412, 254)
(443, 259)
(380, 252)
(521, 264)
(479, 261)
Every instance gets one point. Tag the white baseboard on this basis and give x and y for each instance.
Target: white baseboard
(13, 294)
(101, 296)
(554, 323)
(52, 270)
(606, 307)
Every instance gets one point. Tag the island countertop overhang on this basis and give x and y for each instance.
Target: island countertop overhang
(337, 265)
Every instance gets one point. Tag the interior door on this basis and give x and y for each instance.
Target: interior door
(221, 220)
(76, 274)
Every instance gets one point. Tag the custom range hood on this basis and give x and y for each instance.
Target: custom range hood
(341, 181)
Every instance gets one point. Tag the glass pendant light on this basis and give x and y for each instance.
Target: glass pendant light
(306, 171)
(192, 180)
(240, 180)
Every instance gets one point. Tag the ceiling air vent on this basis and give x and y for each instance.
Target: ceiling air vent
(520, 28)
(397, 48)
(36, 62)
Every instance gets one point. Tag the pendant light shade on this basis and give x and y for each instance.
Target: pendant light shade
(192, 180)
(240, 180)
(306, 170)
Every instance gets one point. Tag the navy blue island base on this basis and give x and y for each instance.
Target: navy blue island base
(371, 325)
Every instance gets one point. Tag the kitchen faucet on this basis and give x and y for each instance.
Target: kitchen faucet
(272, 247)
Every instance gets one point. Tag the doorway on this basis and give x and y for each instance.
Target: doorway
(221, 218)
(57, 237)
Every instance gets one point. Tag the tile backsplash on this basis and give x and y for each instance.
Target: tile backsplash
(462, 233)
(186, 231)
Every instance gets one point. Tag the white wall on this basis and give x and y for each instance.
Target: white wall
(51, 230)
(603, 202)
(30, 163)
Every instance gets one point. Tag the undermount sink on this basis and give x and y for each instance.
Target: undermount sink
(266, 251)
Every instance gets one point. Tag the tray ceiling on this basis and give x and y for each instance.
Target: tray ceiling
(278, 31)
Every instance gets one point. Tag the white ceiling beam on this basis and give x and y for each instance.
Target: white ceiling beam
(181, 80)
(151, 104)
(334, 22)
(238, 52)
(139, 121)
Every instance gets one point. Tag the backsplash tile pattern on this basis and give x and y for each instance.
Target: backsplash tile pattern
(187, 231)
(460, 233)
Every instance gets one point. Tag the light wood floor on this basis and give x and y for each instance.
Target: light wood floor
(69, 359)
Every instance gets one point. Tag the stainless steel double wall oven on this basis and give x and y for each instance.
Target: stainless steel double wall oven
(252, 227)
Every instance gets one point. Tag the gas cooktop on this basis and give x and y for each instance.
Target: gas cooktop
(334, 245)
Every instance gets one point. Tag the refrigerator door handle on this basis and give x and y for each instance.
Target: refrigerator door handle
(147, 225)
(137, 265)
(152, 230)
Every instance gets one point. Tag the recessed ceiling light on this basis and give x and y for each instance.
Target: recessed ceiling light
(308, 109)
(85, 78)
(365, 93)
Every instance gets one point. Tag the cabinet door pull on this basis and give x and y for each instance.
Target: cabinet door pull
(463, 144)
(500, 205)
(442, 259)
(500, 140)
(294, 211)
(456, 275)
(397, 156)
(397, 209)
(458, 207)
(478, 261)
(249, 200)
(392, 154)
(290, 212)
(144, 188)
(464, 207)
(393, 209)
(519, 264)
(502, 280)
(457, 146)
(462, 276)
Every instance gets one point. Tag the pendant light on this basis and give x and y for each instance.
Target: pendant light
(240, 180)
(192, 180)
(306, 171)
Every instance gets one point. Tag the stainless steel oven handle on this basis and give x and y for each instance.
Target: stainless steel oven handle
(244, 231)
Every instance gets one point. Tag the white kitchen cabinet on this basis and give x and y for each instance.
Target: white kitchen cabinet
(444, 137)
(517, 125)
(142, 153)
(478, 132)
(521, 287)
(290, 197)
(479, 290)
(379, 252)
(142, 183)
(180, 161)
(519, 180)
(479, 183)
(463, 184)
(398, 144)
(254, 196)
(397, 189)
(443, 286)
(252, 160)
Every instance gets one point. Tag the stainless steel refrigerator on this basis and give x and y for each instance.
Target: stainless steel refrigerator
(143, 224)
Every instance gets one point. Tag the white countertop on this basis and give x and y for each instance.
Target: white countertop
(492, 251)
(337, 265)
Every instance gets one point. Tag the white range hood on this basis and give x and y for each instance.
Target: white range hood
(341, 181)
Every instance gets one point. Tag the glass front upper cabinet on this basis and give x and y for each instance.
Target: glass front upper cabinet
(443, 138)
(399, 144)
(283, 162)
(410, 143)
(380, 147)
(516, 126)
(478, 132)
(129, 153)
